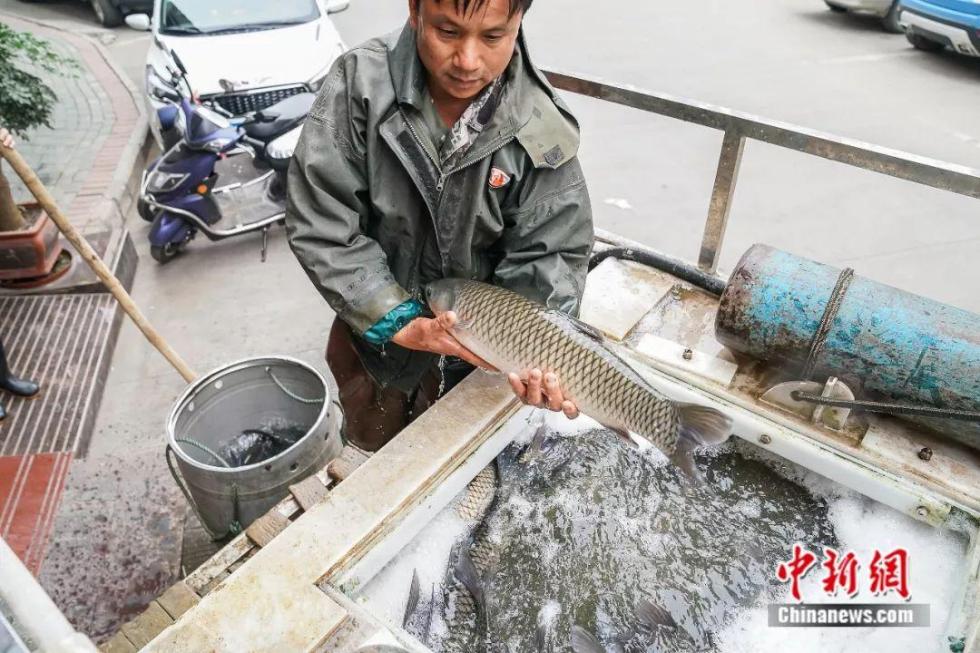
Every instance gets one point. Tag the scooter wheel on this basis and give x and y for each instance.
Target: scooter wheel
(165, 253)
(146, 211)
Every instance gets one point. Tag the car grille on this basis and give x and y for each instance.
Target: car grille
(242, 103)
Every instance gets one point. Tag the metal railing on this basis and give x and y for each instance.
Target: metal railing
(738, 127)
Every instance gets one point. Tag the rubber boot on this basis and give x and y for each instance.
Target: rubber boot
(10, 383)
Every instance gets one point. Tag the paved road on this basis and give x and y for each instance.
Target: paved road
(790, 60)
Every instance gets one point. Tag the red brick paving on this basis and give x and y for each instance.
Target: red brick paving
(30, 490)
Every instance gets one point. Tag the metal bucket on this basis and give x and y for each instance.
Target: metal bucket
(237, 397)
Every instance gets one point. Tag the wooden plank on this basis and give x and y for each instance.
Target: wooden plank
(214, 567)
(141, 630)
(264, 529)
(309, 492)
(178, 599)
(345, 464)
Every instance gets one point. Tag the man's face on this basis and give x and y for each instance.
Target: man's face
(464, 53)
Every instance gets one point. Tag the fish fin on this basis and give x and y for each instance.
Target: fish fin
(585, 642)
(683, 458)
(534, 449)
(466, 574)
(632, 440)
(703, 425)
(652, 615)
(578, 325)
(413, 599)
(624, 435)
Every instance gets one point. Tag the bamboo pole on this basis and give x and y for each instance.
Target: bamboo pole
(37, 188)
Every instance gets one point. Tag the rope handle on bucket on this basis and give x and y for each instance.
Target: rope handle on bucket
(286, 391)
(207, 450)
(234, 528)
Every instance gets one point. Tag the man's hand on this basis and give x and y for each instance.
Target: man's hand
(6, 139)
(425, 334)
(549, 396)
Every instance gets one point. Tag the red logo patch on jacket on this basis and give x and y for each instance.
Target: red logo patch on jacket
(498, 178)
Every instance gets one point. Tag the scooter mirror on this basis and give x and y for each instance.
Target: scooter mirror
(180, 64)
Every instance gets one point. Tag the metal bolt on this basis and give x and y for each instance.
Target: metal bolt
(688, 354)
(925, 453)
(765, 439)
(922, 511)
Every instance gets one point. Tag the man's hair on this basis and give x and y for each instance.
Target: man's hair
(464, 7)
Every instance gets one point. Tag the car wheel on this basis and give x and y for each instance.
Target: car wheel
(165, 253)
(922, 43)
(890, 20)
(107, 13)
(835, 7)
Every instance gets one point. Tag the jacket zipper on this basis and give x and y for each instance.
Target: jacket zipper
(445, 175)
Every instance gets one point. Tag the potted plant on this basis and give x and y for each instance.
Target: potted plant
(29, 244)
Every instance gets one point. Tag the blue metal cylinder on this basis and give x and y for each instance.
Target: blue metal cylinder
(885, 343)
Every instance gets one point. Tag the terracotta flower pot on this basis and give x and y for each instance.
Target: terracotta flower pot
(30, 252)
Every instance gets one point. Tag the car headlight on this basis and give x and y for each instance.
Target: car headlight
(164, 182)
(157, 86)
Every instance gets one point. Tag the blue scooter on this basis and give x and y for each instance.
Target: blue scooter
(218, 169)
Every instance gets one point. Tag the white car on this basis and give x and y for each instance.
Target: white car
(887, 10)
(244, 55)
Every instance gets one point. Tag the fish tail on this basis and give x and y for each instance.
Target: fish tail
(584, 642)
(652, 615)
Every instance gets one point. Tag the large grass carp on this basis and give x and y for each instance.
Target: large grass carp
(515, 334)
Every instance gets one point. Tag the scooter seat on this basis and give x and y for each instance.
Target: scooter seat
(276, 120)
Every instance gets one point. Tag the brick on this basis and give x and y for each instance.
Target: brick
(178, 599)
(309, 492)
(344, 465)
(141, 630)
(265, 528)
(118, 644)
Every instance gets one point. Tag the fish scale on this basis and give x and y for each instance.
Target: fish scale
(515, 334)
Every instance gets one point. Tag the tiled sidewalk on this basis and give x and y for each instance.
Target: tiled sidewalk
(85, 159)
(91, 128)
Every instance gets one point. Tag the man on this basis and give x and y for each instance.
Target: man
(438, 151)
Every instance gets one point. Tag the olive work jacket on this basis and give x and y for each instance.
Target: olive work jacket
(372, 217)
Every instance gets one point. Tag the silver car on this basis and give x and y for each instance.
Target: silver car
(887, 10)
